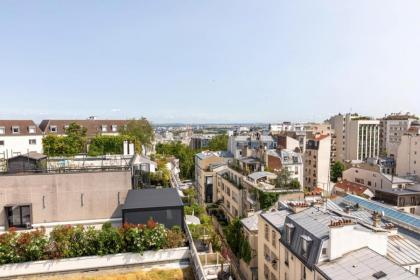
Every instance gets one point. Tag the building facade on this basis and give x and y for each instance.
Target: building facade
(317, 162)
(19, 137)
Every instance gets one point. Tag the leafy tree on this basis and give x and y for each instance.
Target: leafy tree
(107, 144)
(182, 152)
(141, 130)
(219, 143)
(237, 241)
(337, 171)
(284, 180)
(267, 199)
(70, 145)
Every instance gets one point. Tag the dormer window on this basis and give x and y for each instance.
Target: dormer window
(306, 244)
(289, 232)
(32, 129)
(104, 128)
(2, 130)
(114, 128)
(53, 128)
(15, 129)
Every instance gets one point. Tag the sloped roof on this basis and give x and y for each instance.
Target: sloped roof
(93, 126)
(351, 187)
(403, 251)
(23, 127)
(31, 155)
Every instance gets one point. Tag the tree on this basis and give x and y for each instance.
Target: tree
(284, 180)
(337, 171)
(267, 199)
(141, 130)
(237, 241)
(70, 145)
(108, 144)
(219, 142)
(182, 152)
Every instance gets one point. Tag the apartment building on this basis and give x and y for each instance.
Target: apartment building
(250, 231)
(408, 154)
(393, 127)
(200, 141)
(357, 137)
(317, 162)
(277, 160)
(94, 126)
(319, 243)
(270, 228)
(239, 144)
(207, 164)
(230, 192)
(19, 137)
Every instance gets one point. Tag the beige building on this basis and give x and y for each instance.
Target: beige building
(320, 243)
(230, 192)
(47, 199)
(393, 127)
(206, 165)
(270, 225)
(408, 159)
(250, 230)
(317, 162)
(357, 138)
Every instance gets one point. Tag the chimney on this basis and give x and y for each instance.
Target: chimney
(347, 209)
(376, 219)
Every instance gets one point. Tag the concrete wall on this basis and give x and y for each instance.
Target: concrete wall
(58, 197)
(408, 162)
(94, 262)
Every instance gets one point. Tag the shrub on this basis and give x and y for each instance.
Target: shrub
(67, 241)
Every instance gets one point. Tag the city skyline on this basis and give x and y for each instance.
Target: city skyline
(208, 62)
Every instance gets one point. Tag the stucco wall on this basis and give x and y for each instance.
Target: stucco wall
(58, 197)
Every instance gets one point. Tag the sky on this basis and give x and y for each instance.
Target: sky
(208, 60)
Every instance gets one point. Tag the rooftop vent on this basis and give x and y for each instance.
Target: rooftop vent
(379, 274)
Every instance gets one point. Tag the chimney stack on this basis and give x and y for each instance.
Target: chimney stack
(376, 219)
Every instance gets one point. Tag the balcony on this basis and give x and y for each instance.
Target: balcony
(238, 185)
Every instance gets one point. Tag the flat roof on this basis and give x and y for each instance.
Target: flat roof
(152, 198)
(363, 264)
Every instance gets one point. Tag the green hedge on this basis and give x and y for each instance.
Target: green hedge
(69, 242)
(103, 145)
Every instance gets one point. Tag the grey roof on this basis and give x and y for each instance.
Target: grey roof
(312, 223)
(276, 218)
(399, 191)
(31, 155)
(390, 214)
(152, 198)
(396, 180)
(287, 156)
(403, 251)
(361, 265)
(260, 174)
(251, 223)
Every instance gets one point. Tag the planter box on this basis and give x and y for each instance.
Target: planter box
(94, 262)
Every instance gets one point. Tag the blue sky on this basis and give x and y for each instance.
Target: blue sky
(208, 61)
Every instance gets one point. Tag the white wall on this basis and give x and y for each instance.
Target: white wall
(16, 145)
(408, 159)
(348, 238)
(93, 262)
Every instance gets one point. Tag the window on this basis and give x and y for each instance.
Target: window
(303, 271)
(286, 256)
(53, 128)
(114, 128)
(104, 128)
(18, 216)
(306, 242)
(32, 141)
(324, 251)
(32, 129)
(266, 234)
(273, 238)
(289, 232)
(2, 130)
(1, 142)
(15, 129)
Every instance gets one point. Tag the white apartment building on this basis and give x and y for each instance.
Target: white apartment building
(317, 162)
(393, 127)
(239, 144)
(357, 138)
(408, 155)
(19, 137)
